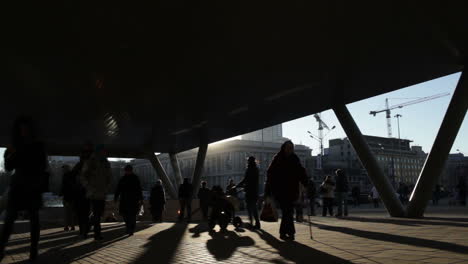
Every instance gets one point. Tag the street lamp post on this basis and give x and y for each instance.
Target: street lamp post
(398, 116)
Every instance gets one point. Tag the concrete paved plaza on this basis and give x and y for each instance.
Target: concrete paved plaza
(367, 237)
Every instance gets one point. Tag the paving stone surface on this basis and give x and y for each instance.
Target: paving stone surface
(366, 237)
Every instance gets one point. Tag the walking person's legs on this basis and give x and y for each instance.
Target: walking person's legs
(312, 207)
(35, 233)
(182, 209)
(324, 206)
(98, 210)
(345, 204)
(82, 208)
(330, 206)
(189, 209)
(7, 229)
(287, 229)
(339, 200)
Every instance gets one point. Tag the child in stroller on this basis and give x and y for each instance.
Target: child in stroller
(222, 210)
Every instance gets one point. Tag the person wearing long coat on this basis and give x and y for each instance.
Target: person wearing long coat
(131, 198)
(157, 201)
(27, 157)
(283, 177)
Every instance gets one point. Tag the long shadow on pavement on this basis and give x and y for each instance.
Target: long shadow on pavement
(58, 235)
(406, 222)
(59, 251)
(162, 246)
(297, 252)
(412, 241)
(223, 244)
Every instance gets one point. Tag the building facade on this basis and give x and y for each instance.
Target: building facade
(228, 160)
(399, 161)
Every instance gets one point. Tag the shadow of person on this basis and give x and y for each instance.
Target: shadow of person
(223, 244)
(162, 246)
(297, 252)
(407, 240)
(64, 250)
(198, 229)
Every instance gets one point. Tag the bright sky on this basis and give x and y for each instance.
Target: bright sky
(419, 122)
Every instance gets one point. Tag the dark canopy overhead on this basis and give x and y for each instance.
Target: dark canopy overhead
(174, 74)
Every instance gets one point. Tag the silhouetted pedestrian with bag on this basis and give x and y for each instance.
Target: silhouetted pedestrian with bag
(27, 157)
(131, 198)
(283, 177)
(157, 201)
(250, 184)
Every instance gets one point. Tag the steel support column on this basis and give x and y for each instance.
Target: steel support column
(438, 155)
(176, 167)
(202, 150)
(368, 160)
(162, 175)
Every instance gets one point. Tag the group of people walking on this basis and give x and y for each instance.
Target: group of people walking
(86, 185)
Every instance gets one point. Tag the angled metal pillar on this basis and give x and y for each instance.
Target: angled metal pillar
(202, 150)
(436, 159)
(176, 167)
(162, 175)
(368, 160)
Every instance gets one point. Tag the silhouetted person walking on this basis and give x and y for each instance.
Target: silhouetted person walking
(131, 198)
(185, 199)
(341, 191)
(82, 203)
(204, 195)
(157, 201)
(283, 178)
(27, 157)
(327, 191)
(96, 177)
(250, 184)
(68, 196)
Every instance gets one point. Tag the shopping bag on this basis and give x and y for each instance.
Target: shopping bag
(269, 213)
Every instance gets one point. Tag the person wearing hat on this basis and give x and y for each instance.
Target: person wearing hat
(250, 184)
(131, 198)
(96, 177)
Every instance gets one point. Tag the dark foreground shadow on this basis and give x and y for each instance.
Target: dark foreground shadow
(223, 244)
(409, 222)
(63, 251)
(58, 235)
(412, 241)
(162, 246)
(297, 252)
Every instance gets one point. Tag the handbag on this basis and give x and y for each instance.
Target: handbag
(269, 213)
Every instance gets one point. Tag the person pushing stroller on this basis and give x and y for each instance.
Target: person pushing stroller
(222, 210)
